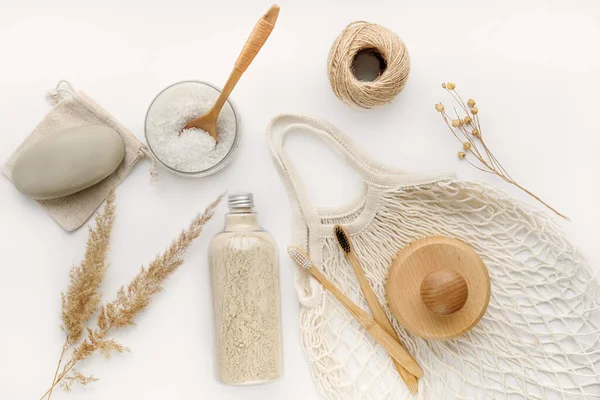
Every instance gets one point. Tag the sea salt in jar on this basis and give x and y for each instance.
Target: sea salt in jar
(191, 152)
(244, 268)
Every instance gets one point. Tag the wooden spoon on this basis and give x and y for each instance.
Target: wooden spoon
(258, 37)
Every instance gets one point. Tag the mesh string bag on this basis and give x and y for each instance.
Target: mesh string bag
(539, 338)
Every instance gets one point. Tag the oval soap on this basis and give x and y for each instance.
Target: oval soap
(68, 161)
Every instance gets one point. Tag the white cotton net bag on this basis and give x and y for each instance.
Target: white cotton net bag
(540, 337)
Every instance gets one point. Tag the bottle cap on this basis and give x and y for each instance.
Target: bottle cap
(241, 200)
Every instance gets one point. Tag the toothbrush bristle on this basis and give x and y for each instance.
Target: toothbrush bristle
(342, 238)
(299, 257)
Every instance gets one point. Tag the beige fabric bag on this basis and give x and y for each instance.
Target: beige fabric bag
(72, 109)
(540, 336)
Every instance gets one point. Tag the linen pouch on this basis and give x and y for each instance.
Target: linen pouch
(73, 109)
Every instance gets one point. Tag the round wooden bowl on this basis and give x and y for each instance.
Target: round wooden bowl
(438, 287)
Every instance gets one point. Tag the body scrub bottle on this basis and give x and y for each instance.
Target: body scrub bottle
(244, 270)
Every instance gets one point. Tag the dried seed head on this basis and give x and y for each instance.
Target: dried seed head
(475, 132)
(456, 123)
(474, 110)
(451, 86)
(444, 85)
(468, 120)
(467, 146)
(461, 154)
(470, 102)
(439, 107)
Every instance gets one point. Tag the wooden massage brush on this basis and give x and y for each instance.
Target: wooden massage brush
(438, 287)
(389, 343)
(379, 315)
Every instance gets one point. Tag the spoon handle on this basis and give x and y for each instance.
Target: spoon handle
(257, 38)
(255, 42)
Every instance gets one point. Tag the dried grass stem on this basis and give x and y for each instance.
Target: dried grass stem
(82, 298)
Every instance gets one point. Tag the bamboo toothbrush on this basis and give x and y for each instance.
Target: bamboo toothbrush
(379, 315)
(386, 341)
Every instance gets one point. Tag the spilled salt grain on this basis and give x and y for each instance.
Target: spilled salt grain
(194, 150)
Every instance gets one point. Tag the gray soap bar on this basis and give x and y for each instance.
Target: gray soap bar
(68, 161)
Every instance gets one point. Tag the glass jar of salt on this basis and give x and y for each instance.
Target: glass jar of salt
(244, 270)
(190, 152)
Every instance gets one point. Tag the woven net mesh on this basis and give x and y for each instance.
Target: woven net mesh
(539, 338)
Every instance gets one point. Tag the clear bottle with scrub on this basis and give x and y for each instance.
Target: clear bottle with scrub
(244, 269)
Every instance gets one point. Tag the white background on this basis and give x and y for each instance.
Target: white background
(533, 68)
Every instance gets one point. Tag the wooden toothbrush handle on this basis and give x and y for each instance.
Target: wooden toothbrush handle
(395, 350)
(257, 38)
(381, 318)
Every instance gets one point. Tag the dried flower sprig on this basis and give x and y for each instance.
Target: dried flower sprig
(129, 302)
(467, 130)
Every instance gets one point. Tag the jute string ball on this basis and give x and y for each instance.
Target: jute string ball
(368, 65)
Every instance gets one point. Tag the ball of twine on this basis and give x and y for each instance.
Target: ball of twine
(394, 65)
